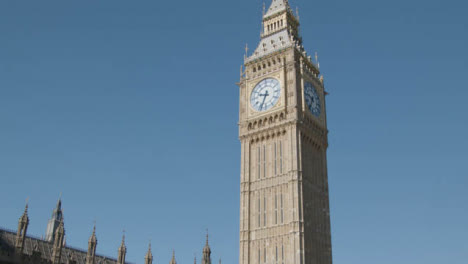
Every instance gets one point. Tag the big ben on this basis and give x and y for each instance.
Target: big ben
(284, 210)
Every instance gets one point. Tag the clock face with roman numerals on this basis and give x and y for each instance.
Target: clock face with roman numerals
(312, 99)
(265, 95)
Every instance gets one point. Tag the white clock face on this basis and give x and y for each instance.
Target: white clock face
(312, 99)
(265, 95)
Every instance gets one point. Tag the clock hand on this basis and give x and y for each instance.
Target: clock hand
(264, 97)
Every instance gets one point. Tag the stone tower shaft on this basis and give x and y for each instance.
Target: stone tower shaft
(284, 210)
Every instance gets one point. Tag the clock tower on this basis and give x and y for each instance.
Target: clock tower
(284, 210)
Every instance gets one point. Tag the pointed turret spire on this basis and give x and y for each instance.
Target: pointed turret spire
(149, 255)
(206, 258)
(280, 30)
(92, 245)
(57, 217)
(22, 230)
(122, 251)
(173, 261)
(58, 243)
(277, 6)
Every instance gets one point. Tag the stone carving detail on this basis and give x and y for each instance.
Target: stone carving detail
(265, 121)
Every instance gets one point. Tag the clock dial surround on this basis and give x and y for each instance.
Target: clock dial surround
(265, 95)
(312, 99)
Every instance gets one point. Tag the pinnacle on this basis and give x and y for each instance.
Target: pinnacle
(149, 254)
(26, 209)
(173, 261)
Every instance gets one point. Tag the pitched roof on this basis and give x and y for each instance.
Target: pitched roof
(270, 44)
(277, 6)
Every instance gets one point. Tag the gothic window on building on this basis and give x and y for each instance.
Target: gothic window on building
(259, 256)
(264, 255)
(281, 208)
(258, 163)
(276, 258)
(281, 156)
(275, 155)
(264, 161)
(276, 209)
(259, 212)
(282, 254)
(264, 211)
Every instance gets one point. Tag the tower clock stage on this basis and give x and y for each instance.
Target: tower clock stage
(284, 210)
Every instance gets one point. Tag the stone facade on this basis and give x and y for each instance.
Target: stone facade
(284, 210)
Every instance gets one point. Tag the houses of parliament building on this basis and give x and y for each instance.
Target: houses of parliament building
(284, 198)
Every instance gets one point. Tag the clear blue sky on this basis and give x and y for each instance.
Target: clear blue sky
(130, 109)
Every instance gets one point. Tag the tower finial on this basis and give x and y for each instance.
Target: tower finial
(264, 9)
(297, 13)
(246, 50)
(173, 261)
(59, 202)
(207, 236)
(27, 206)
(149, 255)
(122, 250)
